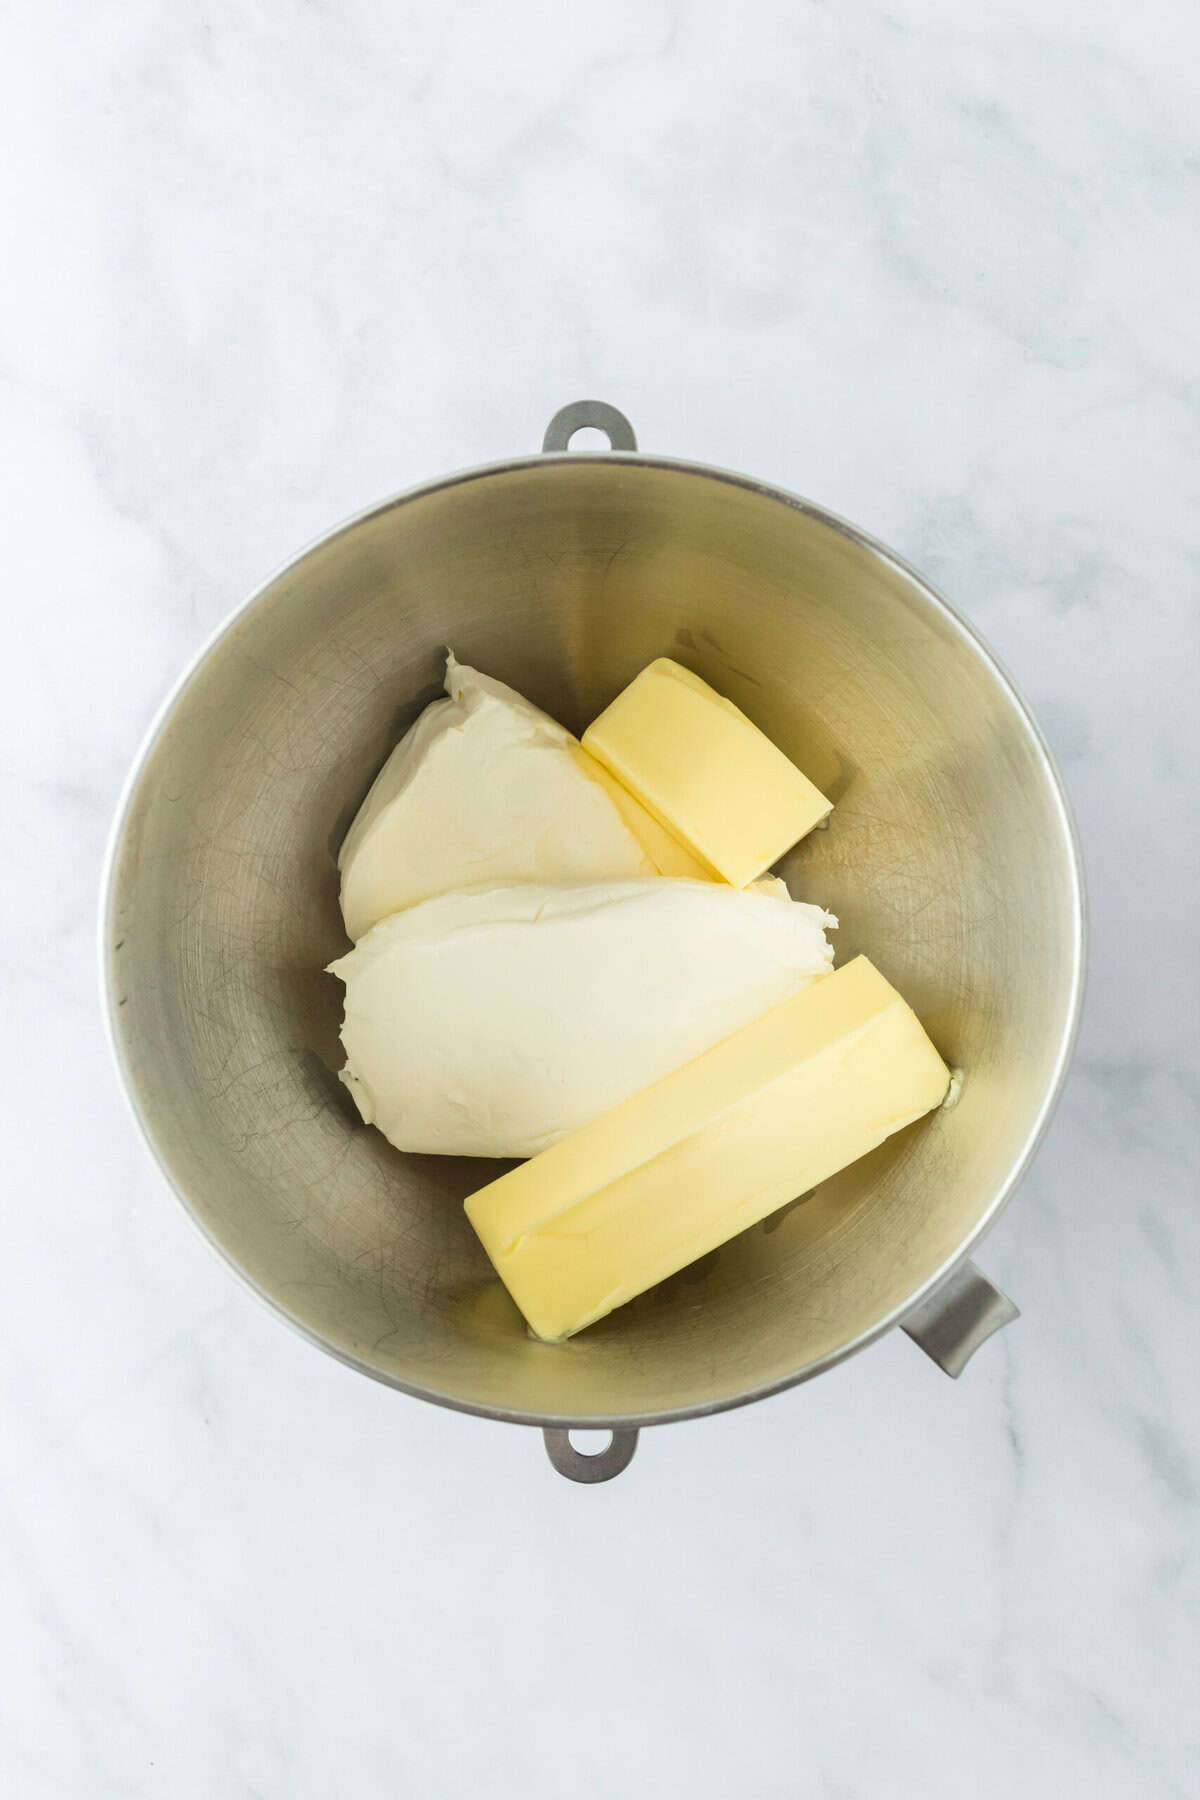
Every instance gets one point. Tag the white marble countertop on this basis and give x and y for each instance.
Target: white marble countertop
(935, 267)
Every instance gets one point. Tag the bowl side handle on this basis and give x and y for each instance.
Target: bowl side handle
(957, 1317)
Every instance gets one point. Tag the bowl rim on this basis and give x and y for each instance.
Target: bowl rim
(1079, 930)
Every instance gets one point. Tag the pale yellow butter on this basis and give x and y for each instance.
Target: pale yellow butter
(709, 1150)
(705, 771)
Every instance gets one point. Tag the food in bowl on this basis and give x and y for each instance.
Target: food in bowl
(687, 1164)
(487, 788)
(707, 774)
(496, 1020)
(568, 952)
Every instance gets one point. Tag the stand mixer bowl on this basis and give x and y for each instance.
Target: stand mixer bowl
(950, 858)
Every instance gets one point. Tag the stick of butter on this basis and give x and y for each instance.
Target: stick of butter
(687, 1164)
(700, 767)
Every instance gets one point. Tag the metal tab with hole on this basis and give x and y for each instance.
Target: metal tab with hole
(582, 1465)
(582, 415)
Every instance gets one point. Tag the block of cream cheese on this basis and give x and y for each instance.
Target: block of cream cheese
(494, 1021)
(688, 1163)
(485, 788)
(709, 775)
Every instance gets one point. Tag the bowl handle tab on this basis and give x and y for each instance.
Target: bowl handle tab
(601, 1465)
(957, 1317)
(596, 413)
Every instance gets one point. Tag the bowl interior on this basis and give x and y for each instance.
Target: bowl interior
(948, 859)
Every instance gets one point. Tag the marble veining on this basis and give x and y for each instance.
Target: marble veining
(936, 267)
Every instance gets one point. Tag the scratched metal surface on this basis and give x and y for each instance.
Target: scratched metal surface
(949, 859)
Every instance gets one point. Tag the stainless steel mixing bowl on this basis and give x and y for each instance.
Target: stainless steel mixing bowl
(950, 858)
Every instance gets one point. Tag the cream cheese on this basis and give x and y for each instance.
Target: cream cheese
(494, 1021)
